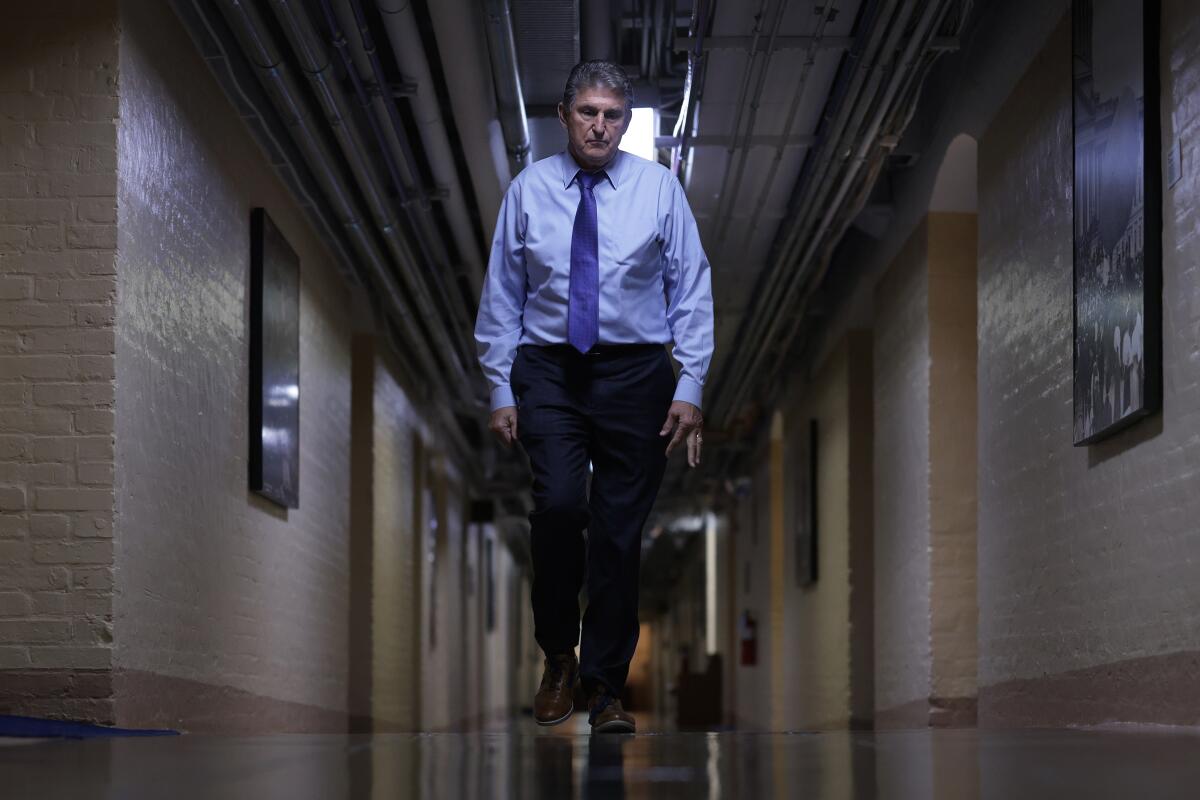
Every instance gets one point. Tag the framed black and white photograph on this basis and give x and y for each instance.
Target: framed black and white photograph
(805, 511)
(1118, 216)
(274, 363)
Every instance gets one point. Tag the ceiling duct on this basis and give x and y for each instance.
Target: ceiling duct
(547, 36)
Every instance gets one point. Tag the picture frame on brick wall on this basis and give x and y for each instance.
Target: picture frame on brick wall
(1117, 251)
(274, 363)
(804, 512)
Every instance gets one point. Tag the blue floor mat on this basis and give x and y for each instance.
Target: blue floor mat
(57, 729)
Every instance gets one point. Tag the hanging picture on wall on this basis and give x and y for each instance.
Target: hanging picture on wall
(274, 363)
(804, 451)
(1117, 198)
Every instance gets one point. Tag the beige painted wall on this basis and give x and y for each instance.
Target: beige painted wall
(925, 478)
(395, 656)
(816, 659)
(444, 650)
(953, 453)
(753, 593)
(902, 515)
(819, 624)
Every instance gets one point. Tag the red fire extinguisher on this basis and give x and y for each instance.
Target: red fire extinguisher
(748, 633)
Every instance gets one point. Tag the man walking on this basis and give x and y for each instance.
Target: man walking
(596, 265)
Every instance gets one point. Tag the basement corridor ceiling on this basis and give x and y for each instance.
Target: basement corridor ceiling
(398, 124)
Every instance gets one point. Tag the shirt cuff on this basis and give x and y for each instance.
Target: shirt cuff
(502, 397)
(688, 391)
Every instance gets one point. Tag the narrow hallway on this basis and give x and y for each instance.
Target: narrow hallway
(336, 337)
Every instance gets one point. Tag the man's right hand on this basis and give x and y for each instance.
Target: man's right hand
(504, 425)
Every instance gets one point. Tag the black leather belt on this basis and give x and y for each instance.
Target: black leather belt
(603, 349)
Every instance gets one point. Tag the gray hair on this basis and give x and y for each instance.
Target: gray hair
(597, 73)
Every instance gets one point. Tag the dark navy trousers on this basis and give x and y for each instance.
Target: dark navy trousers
(606, 407)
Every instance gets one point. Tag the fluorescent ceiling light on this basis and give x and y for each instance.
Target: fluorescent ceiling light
(639, 139)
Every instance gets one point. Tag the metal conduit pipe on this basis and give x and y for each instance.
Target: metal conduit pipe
(846, 133)
(829, 170)
(197, 15)
(847, 87)
(317, 65)
(729, 200)
(857, 82)
(861, 144)
(383, 119)
(806, 70)
(401, 26)
(908, 74)
(854, 101)
(318, 68)
(264, 128)
(868, 59)
(743, 93)
(681, 154)
(510, 101)
(286, 96)
(900, 76)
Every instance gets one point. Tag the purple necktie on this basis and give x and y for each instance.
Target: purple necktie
(583, 308)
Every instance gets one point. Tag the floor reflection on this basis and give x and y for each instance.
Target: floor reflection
(526, 762)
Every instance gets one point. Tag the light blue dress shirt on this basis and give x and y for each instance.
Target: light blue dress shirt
(655, 285)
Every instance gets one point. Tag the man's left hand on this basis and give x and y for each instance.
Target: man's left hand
(685, 419)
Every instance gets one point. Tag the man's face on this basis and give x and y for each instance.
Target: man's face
(595, 125)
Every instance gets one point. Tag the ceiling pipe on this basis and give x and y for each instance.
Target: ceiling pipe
(507, 78)
(855, 95)
(801, 84)
(237, 76)
(463, 52)
(863, 64)
(857, 78)
(907, 76)
(287, 97)
(857, 147)
(844, 133)
(728, 199)
(383, 118)
(401, 26)
(693, 89)
(315, 62)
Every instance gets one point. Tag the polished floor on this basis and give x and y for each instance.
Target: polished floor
(567, 763)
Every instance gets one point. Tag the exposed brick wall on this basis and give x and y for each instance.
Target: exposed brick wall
(58, 234)
(1086, 554)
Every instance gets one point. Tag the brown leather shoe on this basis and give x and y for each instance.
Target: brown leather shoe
(606, 714)
(555, 698)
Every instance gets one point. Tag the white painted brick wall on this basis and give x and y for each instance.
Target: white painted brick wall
(58, 139)
(1087, 555)
(218, 587)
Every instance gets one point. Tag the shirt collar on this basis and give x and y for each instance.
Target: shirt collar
(612, 171)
